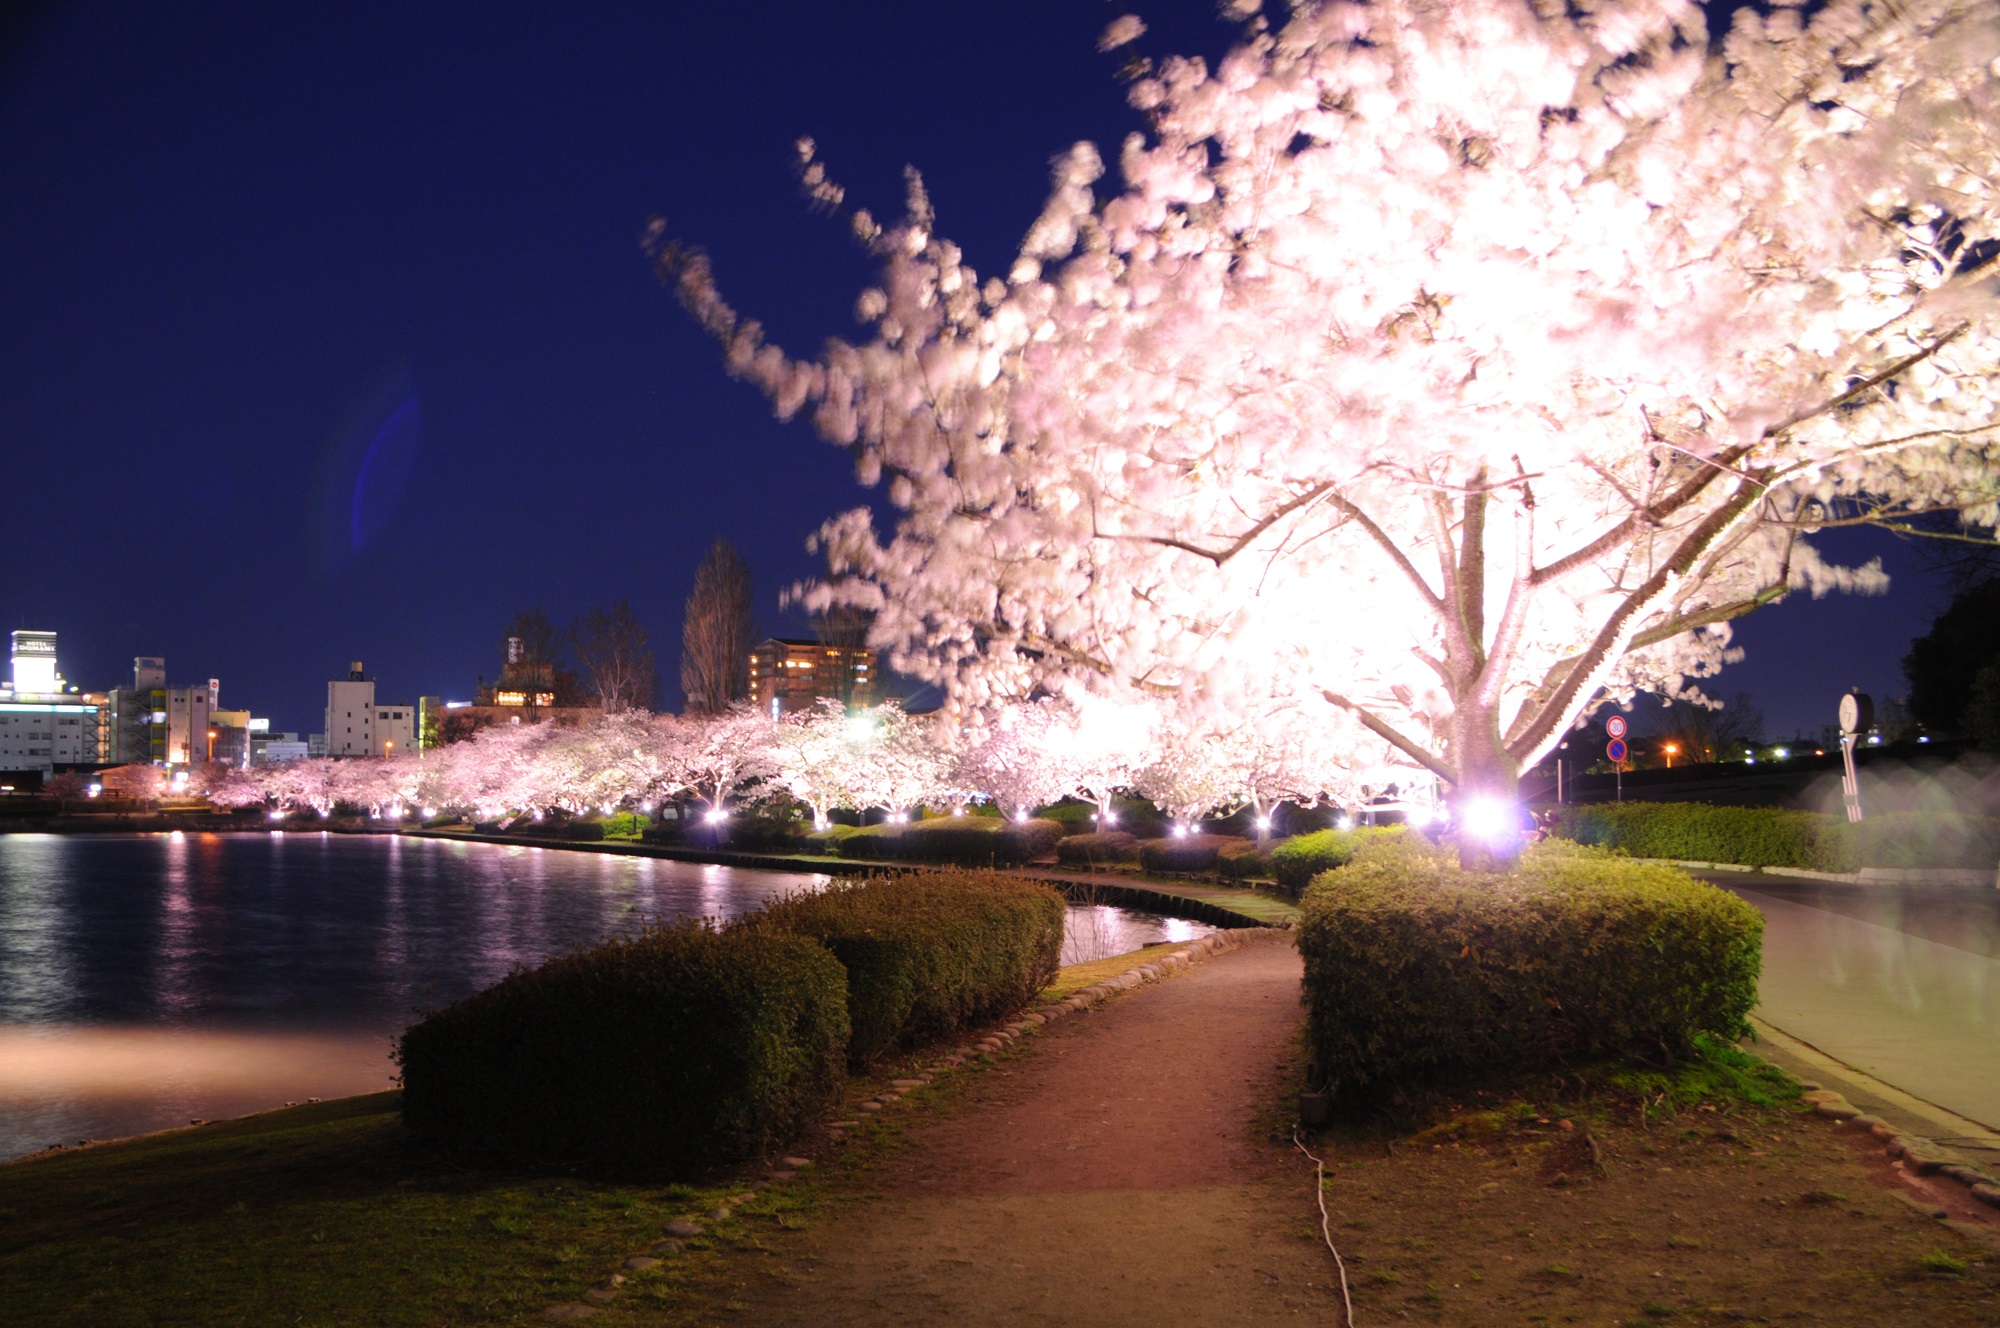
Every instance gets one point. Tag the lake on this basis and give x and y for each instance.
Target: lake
(146, 980)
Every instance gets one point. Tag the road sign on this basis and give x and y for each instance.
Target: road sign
(1615, 726)
(1615, 749)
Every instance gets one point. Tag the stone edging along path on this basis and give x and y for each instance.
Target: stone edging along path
(980, 1045)
(1921, 1156)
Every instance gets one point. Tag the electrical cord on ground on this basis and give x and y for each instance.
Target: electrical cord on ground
(1325, 1227)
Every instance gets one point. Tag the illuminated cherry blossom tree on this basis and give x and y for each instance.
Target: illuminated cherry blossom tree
(1438, 368)
(1018, 758)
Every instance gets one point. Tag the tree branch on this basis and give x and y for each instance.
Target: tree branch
(1377, 726)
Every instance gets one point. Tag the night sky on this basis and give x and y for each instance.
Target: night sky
(325, 333)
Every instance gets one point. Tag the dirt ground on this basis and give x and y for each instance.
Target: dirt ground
(1129, 1166)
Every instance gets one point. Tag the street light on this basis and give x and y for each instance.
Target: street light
(1670, 749)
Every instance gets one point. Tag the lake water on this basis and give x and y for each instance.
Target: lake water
(146, 980)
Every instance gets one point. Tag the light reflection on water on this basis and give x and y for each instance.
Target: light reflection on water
(147, 979)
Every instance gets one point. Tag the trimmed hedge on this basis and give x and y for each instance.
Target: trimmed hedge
(1186, 853)
(969, 841)
(1242, 860)
(929, 955)
(1779, 837)
(1697, 832)
(1415, 969)
(1296, 861)
(665, 1054)
(1095, 849)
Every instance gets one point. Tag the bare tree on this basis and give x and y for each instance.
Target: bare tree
(715, 640)
(617, 663)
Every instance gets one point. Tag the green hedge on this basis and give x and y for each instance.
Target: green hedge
(1697, 832)
(1415, 969)
(1243, 860)
(1186, 853)
(1779, 837)
(1296, 861)
(928, 955)
(664, 1054)
(969, 841)
(1098, 849)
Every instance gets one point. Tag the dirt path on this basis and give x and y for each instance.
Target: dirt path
(1112, 1174)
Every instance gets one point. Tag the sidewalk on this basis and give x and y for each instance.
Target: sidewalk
(1118, 1175)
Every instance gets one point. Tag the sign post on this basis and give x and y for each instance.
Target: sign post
(1617, 750)
(1857, 713)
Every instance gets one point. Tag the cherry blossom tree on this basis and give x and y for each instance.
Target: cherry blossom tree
(722, 752)
(1017, 757)
(900, 759)
(1438, 369)
(1105, 744)
(815, 752)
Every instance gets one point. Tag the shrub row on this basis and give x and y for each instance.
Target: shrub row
(1097, 849)
(659, 1054)
(971, 841)
(928, 955)
(1296, 861)
(1415, 969)
(691, 1045)
(1187, 853)
(1780, 837)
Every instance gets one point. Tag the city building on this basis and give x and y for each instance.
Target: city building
(44, 721)
(359, 725)
(788, 675)
(268, 748)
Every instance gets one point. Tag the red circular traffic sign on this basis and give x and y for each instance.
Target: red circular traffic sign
(1615, 726)
(1615, 749)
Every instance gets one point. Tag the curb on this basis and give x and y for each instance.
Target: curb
(607, 1289)
(1923, 1156)
(1967, 877)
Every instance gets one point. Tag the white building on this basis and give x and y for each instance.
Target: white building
(43, 721)
(357, 725)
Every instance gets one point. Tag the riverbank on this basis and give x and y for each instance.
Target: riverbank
(1218, 905)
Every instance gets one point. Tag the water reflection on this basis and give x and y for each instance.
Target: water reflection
(146, 979)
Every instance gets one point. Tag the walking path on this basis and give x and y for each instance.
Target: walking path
(1117, 1173)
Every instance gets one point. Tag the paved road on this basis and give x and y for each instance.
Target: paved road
(1900, 981)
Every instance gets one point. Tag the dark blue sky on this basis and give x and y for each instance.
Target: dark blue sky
(325, 334)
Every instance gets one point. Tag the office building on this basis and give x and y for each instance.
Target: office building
(44, 721)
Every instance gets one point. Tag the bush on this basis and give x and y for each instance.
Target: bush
(1415, 969)
(581, 831)
(1297, 860)
(1697, 832)
(666, 1054)
(1075, 818)
(930, 954)
(1186, 853)
(970, 841)
(1243, 860)
(1097, 849)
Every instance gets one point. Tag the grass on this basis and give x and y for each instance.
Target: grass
(268, 1218)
